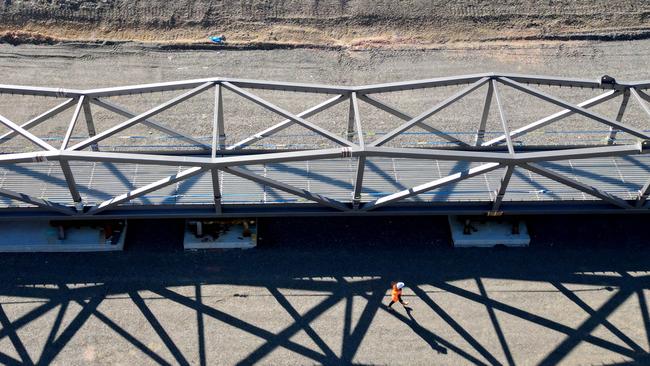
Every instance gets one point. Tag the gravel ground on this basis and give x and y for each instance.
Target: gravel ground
(91, 67)
(310, 297)
(307, 296)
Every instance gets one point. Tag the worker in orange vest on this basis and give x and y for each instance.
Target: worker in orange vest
(396, 294)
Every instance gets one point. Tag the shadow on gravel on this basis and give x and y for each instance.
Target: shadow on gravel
(300, 259)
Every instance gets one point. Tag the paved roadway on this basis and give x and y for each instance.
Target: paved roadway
(309, 296)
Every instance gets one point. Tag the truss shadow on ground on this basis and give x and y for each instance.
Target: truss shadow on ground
(39, 291)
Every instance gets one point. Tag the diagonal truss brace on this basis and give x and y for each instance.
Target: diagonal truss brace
(287, 123)
(503, 118)
(361, 162)
(39, 119)
(172, 179)
(405, 117)
(65, 166)
(73, 122)
(246, 174)
(140, 118)
(501, 192)
(480, 133)
(643, 194)
(536, 168)
(453, 178)
(43, 203)
(28, 135)
(579, 110)
(553, 118)
(216, 190)
(273, 108)
(437, 108)
(640, 96)
(619, 117)
(90, 124)
(117, 109)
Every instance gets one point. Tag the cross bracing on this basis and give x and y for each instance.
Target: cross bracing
(359, 172)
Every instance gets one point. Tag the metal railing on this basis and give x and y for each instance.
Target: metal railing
(353, 144)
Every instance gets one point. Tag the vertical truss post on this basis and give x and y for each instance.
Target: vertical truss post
(73, 122)
(645, 190)
(619, 117)
(358, 181)
(219, 134)
(643, 194)
(480, 133)
(351, 119)
(501, 192)
(504, 119)
(90, 124)
(640, 96)
(216, 189)
(218, 143)
(361, 162)
(65, 166)
(72, 185)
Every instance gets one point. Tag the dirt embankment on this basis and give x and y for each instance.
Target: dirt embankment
(339, 23)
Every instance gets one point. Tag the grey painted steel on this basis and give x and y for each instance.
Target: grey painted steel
(187, 173)
(577, 185)
(422, 84)
(637, 96)
(287, 188)
(147, 122)
(70, 181)
(361, 161)
(39, 119)
(553, 118)
(219, 130)
(138, 119)
(480, 132)
(557, 101)
(216, 189)
(442, 105)
(503, 118)
(643, 194)
(401, 115)
(503, 186)
(273, 108)
(286, 123)
(73, 122)
(21, 131)
(48, 205)
(453, 178)
(355, 178)
(619, 117)
(90, 123)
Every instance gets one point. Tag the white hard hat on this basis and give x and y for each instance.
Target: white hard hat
(400, 285)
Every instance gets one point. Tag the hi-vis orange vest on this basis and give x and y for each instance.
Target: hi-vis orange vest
(396, 293)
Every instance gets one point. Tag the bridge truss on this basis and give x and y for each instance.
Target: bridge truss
(498, 158)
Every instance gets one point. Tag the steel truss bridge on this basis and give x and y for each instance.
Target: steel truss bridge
(362, 174)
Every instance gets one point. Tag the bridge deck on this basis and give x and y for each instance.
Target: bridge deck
(97, 182)
(522, 169)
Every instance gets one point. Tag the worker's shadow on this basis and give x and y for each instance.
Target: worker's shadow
(420, 331)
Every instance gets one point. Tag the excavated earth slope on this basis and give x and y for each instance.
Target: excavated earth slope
(325, 23)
